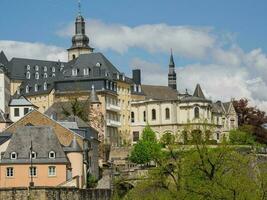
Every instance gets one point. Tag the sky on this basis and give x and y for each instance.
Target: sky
(220, 44)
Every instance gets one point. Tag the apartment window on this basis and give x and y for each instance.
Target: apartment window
(45, 68)
(51, 171)
(26, 110)
(16, 112)
(45, 75)
(33, 171)
(37, 75)
(135, 136)
(52, 154)
(132, 117)
(36, 68)
(154, 116)
(167, 113)
(196, 111)
(13, 155)
(9, 171)
(28, 75)
(53, 69)
(144, 116)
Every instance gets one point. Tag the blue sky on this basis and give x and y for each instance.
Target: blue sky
(225, 39)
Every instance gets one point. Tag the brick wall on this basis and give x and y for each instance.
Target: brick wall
(46, 193)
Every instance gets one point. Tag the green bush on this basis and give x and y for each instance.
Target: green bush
(167, 139)
(240, 137)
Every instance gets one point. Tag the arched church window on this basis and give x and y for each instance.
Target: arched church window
(196, 111)
(154, 116)
(167, 113)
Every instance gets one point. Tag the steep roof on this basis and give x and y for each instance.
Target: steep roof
(73, 147)
(198, 92)
(4, 117)
(21, 101)
(43, 141)
(3, 59)
(4, 137)
(159, 92)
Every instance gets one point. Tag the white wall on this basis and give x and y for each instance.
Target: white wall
(4, 92)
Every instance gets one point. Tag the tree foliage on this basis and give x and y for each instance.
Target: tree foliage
(241, 137)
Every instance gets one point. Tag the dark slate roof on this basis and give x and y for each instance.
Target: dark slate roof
(4, 137)
(73, 147)
(79, 121)
(3, 59)
(198, 92)
(43, 140)
(217, 107)
(159, 92)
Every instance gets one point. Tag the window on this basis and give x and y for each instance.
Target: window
(73, 56)
(45, 75)
(167, 113)
(135, 136)
(16, 112)
(154, 114)
(32, 171)
(26, 110)
(74, 72)
(52, 154)
(36, 68)
(45, 86)
(27, 89)
(13, 156)
(33, 155)
(37, 75)
(28, 67)
(45, 68)
(107, 85)
(9, 171)
(51, 171)
(85, 71)
(144, 116)
(53, 69)
(36, 88)
(28, 75)
(132, 117)
(196, 112)
(218, 136)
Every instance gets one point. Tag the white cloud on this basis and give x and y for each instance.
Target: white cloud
(186, 41)
(32, 50)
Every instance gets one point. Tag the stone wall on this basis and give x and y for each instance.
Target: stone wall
(54, 193)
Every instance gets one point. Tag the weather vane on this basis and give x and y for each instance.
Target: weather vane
(79, 7)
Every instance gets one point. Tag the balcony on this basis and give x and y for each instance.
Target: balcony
(113, 107)
(113, 123)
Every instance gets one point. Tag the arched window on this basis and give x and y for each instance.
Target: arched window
(144, 116)
(196, 111)
(33, 155)
(27, 89)
(36, 88)
(132, 117)
(45, 68)
(37, 75)
(45, 86)
(167, 113)
(28, 75)
(154, 116)
(28, 67)
(13, 155)
(52, 155)
(85, 71)
(36, 68)
(74, 72)
(45, 75)
(53, 69)
(73, 56)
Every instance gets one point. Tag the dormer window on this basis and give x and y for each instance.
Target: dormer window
(27, 89)
(28, 67)
(36, 68)
(53, 75)
(45, 75)
(98, 64)
(85, 71)
(33, 155)
(52, 155)
(36, 88)
(53, 69)
(74, 72)
(36, 75)
(28, 75)
(45, 68)
(13, 156)
(45, 86)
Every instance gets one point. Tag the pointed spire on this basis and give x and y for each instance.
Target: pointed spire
(198, 92)
(171, 64)
(3, 59)
(79, 8)
(93, 96)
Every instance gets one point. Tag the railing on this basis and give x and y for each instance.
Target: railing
(113, 123)
(113, 107)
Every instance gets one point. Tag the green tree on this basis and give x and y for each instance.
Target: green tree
(167, 139)
(241, 137)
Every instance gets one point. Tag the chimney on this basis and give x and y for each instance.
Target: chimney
(137, 76)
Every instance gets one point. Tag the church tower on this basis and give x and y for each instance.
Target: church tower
(80, 41)
(172, 75)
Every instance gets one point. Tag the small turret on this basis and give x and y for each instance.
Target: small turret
(172, 75)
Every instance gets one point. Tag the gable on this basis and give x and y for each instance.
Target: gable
(35, 118)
